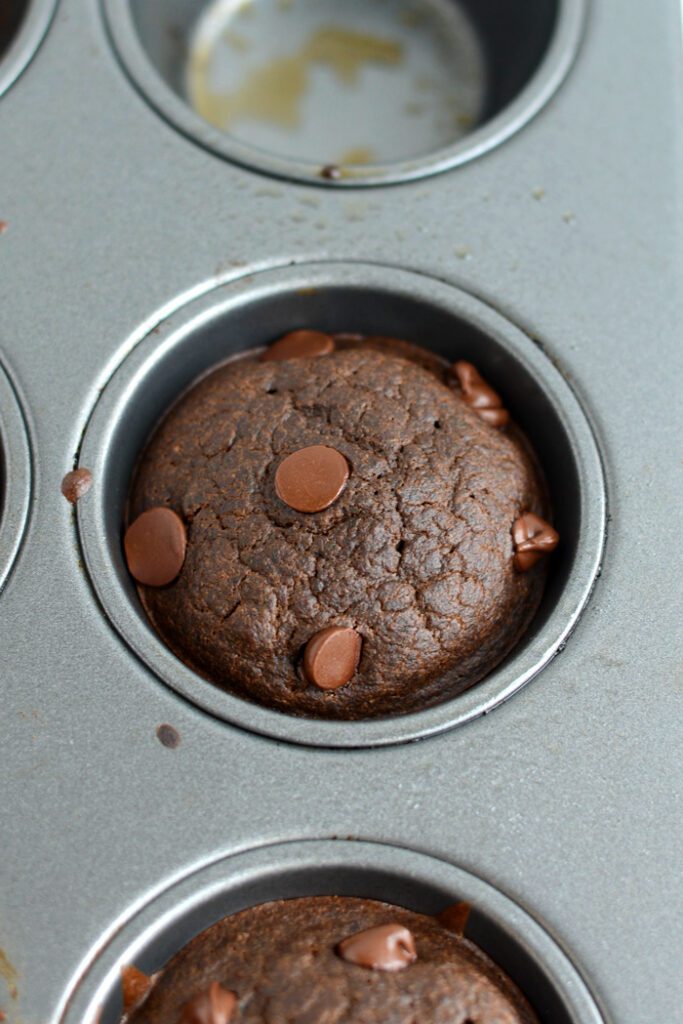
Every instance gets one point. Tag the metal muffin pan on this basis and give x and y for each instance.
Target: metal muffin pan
(373, 300)
(515, 60)
(126, 246)
(15, 476)
(150, 935)
(27, 21)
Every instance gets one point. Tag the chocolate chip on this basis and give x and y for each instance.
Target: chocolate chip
(388, 947)
(214, 1006)
(476, 393)
(75, 484)
(155, 546)
(135, 986)
(168, 736)
(331, 657)
(455, 917)
(299, 345)
(533, 538)
(311, 479)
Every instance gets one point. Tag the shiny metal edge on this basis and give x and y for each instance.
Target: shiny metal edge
(32, 30)
(16, 473)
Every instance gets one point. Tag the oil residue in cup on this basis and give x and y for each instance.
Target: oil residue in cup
(353, 84)
(274, 92)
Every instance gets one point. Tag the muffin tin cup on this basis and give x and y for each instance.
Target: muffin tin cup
(152, 55)
(149, 935)
(384, 300)
(15, 476)
(28, 34)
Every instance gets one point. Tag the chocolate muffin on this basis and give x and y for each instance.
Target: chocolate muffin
(327, 960)
(341, 528)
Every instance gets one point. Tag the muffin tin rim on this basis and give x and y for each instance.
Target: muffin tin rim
(30, 34)
(145, 919)
(16, 453)
(545, 81)
(521, 665)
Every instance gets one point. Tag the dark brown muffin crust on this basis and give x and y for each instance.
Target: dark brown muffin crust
(280, 961)
(416, 554)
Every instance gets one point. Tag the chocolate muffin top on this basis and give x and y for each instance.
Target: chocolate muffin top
(396, 575)
(314, 961)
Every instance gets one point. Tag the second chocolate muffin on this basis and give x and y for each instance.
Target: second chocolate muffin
(327, 960)
(397, 581)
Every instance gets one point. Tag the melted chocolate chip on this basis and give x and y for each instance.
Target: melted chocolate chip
(388, 947)
(299, 345)
(455, 917)
(311, 479)
(135, 986)
(479, 395)
(214, 1006)
(533, 538)
(75, 484)
(155, 546)
(331, 657)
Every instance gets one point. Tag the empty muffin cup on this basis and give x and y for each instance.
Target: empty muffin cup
(360, 92)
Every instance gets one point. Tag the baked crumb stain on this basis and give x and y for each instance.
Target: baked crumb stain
(9, 974)
(237, 41)
(359, 155)
(274, 93)
(3, 226)
(168, 736)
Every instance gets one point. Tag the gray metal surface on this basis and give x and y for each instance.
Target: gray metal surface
(565, 799)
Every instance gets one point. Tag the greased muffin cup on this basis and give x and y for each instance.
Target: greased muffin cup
(443, 320)
(534, 233)
(178, 919)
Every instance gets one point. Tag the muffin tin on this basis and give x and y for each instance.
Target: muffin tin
(142, 247)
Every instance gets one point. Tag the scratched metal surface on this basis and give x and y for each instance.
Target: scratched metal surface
(564, 798)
